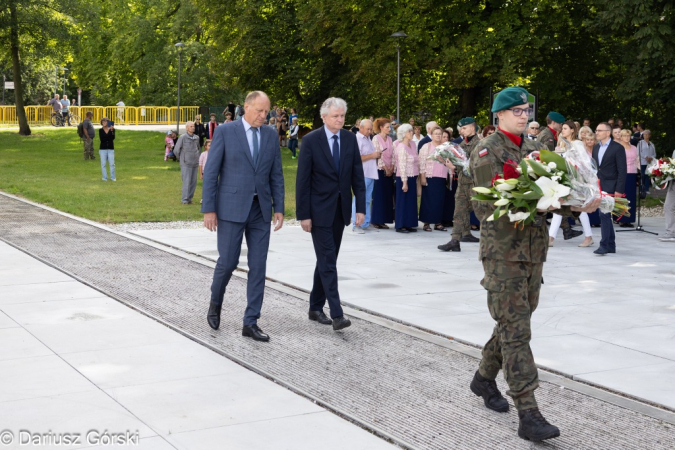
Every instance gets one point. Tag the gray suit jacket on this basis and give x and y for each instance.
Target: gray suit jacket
(231, 180)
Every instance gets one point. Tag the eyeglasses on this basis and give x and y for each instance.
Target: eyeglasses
(519, 111)
(602, 131)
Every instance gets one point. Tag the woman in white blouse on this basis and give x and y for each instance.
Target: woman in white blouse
(407, 170)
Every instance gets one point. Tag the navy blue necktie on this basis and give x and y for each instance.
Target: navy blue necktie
(255, 146)
(336, 153)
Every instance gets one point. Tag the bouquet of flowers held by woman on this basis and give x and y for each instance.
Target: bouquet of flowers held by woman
(543, 180)
(661, 171)
(454, 153)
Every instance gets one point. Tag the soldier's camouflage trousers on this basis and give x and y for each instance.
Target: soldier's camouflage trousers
(513, 294)
(461, 221)
(88, 149)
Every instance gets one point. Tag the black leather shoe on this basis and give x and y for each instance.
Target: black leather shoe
(601, 251)
(402, 230)
(452, 246)
(213, 316)
(627, 225)
(319, 316)
(412, 230)
(569, 233)
(254, 332)
(487, 389)
(340, 322)
(469, 238)
(533, 426)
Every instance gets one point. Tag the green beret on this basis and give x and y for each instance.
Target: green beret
(556, 117)
(465, 121)
(510, 97)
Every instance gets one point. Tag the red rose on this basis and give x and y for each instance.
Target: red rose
(510, 170)
(495, 178)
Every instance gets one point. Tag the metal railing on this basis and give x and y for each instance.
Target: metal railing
(121, 115)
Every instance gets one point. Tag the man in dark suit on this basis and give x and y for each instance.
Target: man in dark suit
(329, 170)
(243, 182)
(430, 126)
(611, 159)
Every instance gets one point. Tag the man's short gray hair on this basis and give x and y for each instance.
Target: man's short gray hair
(431, 125)
(403, 130)
(332, 102)
(363, 121)
(188, 123)
(253, 95)
(533, 123)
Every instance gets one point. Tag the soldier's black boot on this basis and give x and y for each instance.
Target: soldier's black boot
(452, 246)
(213, 316)
(533, 426)
(487, 389)
(570, 233)
(470, 238)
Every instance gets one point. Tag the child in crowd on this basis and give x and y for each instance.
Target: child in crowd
(169, 142)
(203, 157)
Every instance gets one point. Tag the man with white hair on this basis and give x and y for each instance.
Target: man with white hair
(430, 126)
(533, 130)
(187, 152)
(329, 170)
(369, 157)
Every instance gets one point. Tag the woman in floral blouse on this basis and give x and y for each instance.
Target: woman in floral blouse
(407, 170)
(383, 191)
(433, 177)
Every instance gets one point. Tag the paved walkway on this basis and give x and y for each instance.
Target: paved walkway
(608, 321)
(74, 360)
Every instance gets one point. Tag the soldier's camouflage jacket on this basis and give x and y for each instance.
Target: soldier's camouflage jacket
(546, 137)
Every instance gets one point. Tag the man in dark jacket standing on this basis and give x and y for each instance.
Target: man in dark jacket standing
(611, 159)
(329, 170)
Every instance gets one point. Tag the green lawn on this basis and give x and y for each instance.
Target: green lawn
(48, 167)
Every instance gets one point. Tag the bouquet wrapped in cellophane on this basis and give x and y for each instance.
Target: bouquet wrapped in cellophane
(545, 180)
(454, 153)
(585, 186)
(661, 171)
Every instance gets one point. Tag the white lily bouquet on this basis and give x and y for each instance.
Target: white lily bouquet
(544, 180)
(454, 153)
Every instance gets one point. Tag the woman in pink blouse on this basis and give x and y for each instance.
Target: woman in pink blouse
(433, 177)
(632, 167)
(383, 190)
(407, 171)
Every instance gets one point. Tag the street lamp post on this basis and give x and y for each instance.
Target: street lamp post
(65, 77)
(397, 35)
(179, 46)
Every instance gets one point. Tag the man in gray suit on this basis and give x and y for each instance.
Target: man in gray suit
(243, 182)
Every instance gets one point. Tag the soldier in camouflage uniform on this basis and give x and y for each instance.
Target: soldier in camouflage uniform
(549, 137)
(513, 262)
(461, 228)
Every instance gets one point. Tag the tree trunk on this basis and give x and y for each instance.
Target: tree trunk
(24, 129)
(468, 102)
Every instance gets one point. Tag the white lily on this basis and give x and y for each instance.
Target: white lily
(517, 217)
(502, 202)
(502, 187)
(552, 165)
(482, 190)
(553, 191)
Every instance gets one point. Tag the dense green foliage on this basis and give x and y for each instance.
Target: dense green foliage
(48, 167)
(595, 59)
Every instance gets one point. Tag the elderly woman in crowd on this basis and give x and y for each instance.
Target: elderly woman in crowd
(632, 165)
(407, 171)
(647, 153)
(433, 176)
(383, 191)
(566, 140)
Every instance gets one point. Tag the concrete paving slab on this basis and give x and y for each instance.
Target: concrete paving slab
(105, 323)
(44, 292)
(41, 376)
(6, 322)
(152, 443)
(653, 383)
(320, 430)
(177, 406)
(77, 413)
(119, 367)
(18, 343)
